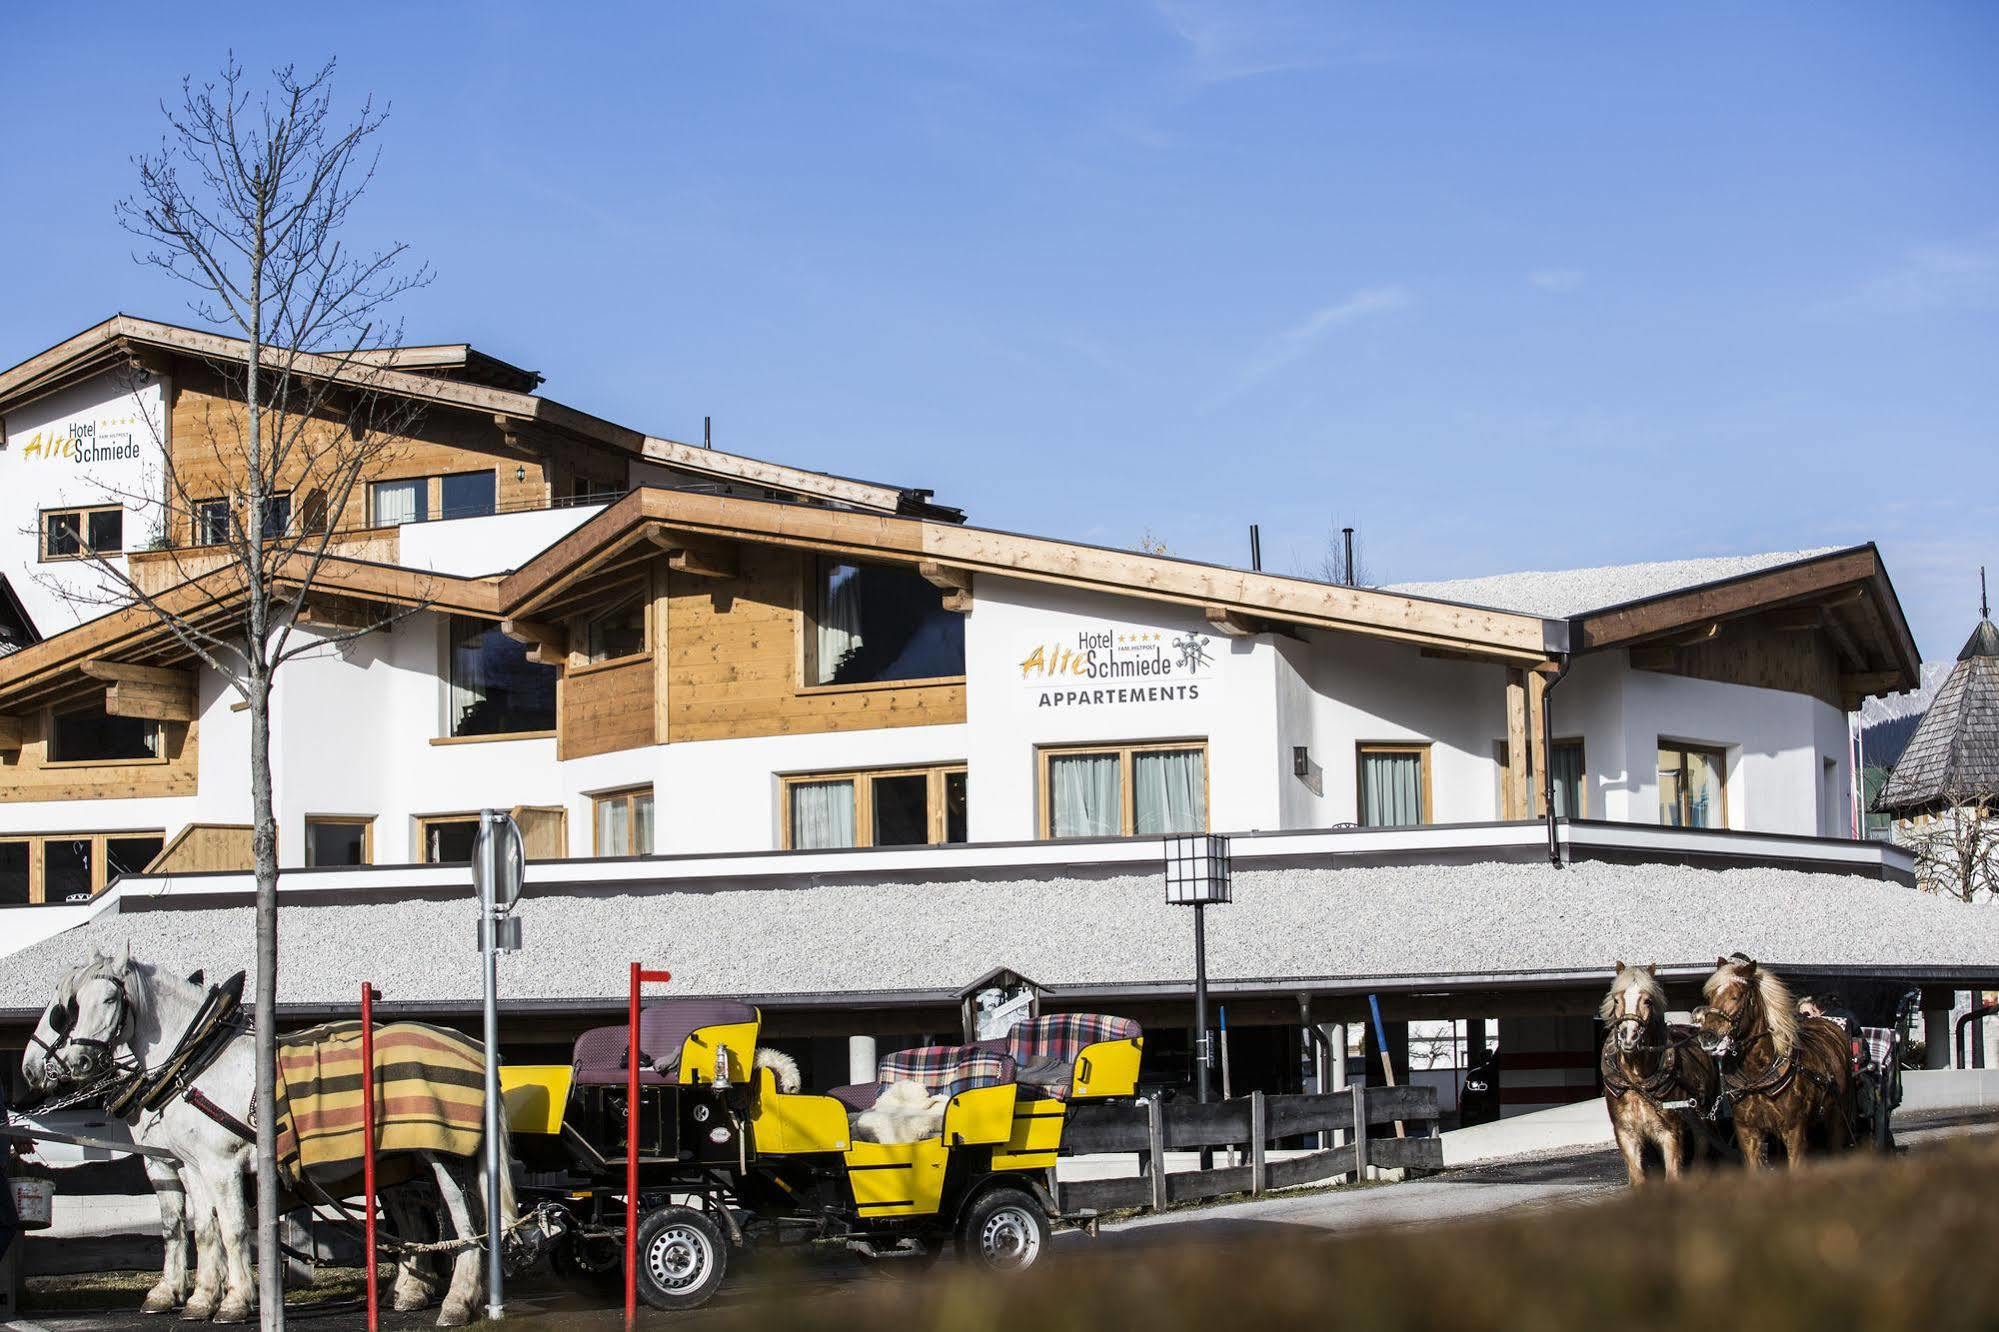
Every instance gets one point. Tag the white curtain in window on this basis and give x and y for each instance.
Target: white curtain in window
(1169, 792)
(642, 824)
(839, 623)
(1083, 795)
(397, 501)
(470, 678)
(1391, 790)
(1703, 791)
(822, 815)
(613, 827)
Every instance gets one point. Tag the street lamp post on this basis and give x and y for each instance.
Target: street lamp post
(1198, 875)
(497, 865)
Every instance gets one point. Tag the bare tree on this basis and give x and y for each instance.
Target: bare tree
(1957, 848)
(246, 201)
(1148, 544)
(1332, 566)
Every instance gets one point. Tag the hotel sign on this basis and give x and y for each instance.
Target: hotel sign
(84, 442)
(1111, 666)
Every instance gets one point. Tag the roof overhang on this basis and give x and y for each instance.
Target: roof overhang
(1245, 600)
(1845, 592)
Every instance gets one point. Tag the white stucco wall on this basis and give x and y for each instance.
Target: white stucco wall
(496, 543)
(42, 467)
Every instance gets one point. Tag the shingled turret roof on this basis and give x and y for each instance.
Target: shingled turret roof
(1954, 754)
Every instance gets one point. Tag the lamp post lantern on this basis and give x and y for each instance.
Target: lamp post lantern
(1198, 875)
(497, 865)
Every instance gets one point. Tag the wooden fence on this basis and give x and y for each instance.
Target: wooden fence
(1152, 1128)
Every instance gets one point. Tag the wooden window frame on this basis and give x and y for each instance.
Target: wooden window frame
(423, 824)
(625, 794)
(1718, 754)
(864, 798)
(580, 662)
(99, 855)
(1127, 791)
(1421, 748)
(159, 759)
(1582, 786)
(83, 549)
(808, 636)
(366, 822)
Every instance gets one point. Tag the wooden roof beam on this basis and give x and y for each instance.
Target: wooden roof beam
(154, 693)
(692, 555)
(119, 672)
(955, 583)
(548, 644)
(1234, 623)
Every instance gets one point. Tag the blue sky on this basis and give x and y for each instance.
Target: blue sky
(1505, 287)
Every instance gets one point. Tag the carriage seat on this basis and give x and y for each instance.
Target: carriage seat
(1875, 1047)
(1045, 1049)
(664, 1027)
(945, 1069)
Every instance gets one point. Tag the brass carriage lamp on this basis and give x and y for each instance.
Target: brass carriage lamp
(1198, 874)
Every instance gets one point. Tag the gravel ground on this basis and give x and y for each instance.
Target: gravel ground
(1284, 925)
(1560, 593)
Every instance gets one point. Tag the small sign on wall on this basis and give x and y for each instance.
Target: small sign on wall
(1108, 665)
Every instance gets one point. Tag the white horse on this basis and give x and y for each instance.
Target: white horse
(115, 1012)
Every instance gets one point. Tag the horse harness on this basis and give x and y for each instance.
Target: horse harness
(1654, 1087)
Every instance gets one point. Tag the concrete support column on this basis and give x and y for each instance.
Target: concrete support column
(861, 1061)
(1333, 1076)
(1937, 1051)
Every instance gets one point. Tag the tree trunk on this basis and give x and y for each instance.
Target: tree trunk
(264, 845)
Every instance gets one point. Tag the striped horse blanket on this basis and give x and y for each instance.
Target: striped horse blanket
(429, 1096)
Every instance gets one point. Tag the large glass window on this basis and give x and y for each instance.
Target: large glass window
(66, 868)
(211, 522)
(623, 821)
(448, 841)
(906, 807)
(1128, 790)
(494, 688)
(70, 533)
(339, 841)
(14, 873)
(90, 735)
(1565, 760)
(1692, 789)
(396, 502)
(71, 864)
(468, 495)
(618, 632)
(873, 624)
(130, 855)
(1394, 785)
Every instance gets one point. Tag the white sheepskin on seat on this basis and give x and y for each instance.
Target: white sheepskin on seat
(904, 1112)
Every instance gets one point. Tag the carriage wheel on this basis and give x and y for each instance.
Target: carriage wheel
(1004, 1230)
(681, 1258)
(593, 1260)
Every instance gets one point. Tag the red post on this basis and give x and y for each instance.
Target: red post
(639, 977)
(368, 997)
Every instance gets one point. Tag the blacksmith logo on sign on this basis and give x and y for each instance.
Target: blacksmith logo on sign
(1111, 666)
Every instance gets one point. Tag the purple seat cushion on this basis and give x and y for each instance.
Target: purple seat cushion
(664, 1027)
(857, 1097)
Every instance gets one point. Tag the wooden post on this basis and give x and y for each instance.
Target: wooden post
(1155, 1136)
(1359, 1132)
(1537, 743)
(1515, 804)
(1256, 1131)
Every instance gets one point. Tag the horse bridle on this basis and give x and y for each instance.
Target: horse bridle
(62, 1020)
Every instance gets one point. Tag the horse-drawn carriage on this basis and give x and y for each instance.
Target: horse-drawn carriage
(731, 1154)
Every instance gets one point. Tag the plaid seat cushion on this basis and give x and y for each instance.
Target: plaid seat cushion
(947, 1069)
(1880, 1045)
(1045, 1048)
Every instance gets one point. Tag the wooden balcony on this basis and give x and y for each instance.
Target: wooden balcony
(153, 571)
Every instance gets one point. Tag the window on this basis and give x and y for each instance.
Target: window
(1565, 760)
(618, 632)
(214, 524)
(623, 820)
(1394, 790)
(872, 624)
(88, 734)
(335, 840)
(1129, 790)
(396, 502)
(1692, 786)
(900, 807)
(468, 495)
(448, 841)
(69, 534)
(494, 688)
(589, 490)
(211, 522)
(54, 867)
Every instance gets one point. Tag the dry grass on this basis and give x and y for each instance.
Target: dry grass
(1884, 1245)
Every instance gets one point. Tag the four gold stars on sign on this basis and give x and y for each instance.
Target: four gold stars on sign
(1138, 638)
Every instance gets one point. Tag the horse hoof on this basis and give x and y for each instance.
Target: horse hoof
(233, 1311)
(197, 1310)
(409, 1301)
(454, 1315)
(160, 1299)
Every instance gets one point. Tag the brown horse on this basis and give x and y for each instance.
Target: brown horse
(1657, 1080)
(1786, 1077)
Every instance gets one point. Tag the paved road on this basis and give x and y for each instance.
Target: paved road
(1569, 1179)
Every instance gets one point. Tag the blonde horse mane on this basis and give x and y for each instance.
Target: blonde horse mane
(1629, 977)
(1780, 1010)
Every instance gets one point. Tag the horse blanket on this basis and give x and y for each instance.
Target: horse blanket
(430, 1095)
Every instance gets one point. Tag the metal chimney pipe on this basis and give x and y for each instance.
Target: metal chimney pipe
(1255, 548)
(1351, 580)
